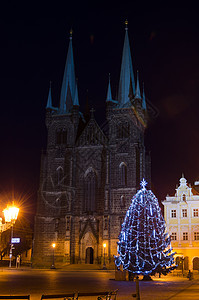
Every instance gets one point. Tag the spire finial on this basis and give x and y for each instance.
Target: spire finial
(92, 113)
(126, 24)
(109, 95)
(71, 34)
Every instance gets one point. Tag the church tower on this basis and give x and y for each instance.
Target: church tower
(89, 173)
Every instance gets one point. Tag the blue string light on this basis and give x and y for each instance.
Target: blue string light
(144, 247)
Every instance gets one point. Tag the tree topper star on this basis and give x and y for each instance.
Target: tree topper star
(143, 183)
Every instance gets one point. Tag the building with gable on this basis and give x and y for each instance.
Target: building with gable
(181, 214)
(89, 173)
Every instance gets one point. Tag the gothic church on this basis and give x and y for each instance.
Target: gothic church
(90, 173)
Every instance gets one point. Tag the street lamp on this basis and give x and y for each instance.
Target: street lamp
(11, 214)
(104, 265)
(53, 263)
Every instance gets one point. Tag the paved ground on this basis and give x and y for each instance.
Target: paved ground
(38, 282)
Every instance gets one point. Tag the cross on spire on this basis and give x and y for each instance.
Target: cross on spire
(71, 34)
(126, 24)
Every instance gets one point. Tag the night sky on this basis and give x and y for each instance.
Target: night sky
(165, 49)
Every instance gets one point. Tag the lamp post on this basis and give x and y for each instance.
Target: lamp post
(104, 265)
(53, 262)
(11, 214)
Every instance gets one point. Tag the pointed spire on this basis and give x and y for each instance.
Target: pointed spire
(143, 99)
(49, 101)
(126, 74)
(109, 94)
(137, 91)
(68, 90)
(76, 99)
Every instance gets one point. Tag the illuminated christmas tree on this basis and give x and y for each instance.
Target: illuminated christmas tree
(144, 247)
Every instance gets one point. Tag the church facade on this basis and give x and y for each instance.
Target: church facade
(89, 173)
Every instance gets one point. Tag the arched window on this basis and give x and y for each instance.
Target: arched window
(179, 262)
(64, 137)
(60, 174)
(196, 263)
(90, 192)
(56, 224)
(105, 223)
(61, 137)
(123, 174)
(137, 153)
(122, 201)
(184, 197)
(186, 263)
(119, 131)
(58, 137)
(126, 130)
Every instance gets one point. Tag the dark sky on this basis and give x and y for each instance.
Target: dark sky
(165, 49)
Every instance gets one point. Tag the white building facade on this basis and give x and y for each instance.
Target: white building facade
(181, 213)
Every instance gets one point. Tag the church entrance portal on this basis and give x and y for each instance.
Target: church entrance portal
(89, 255)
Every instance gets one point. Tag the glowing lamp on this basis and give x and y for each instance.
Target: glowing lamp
(11, 213)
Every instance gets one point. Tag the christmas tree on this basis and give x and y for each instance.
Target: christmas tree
(144, 247)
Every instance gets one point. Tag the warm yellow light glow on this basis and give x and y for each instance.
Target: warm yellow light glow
(53, 245)
(11, 213)
(104, 245)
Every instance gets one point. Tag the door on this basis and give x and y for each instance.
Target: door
(196, 263)
(89, 255)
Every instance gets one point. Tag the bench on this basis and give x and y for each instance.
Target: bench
(63, 296)
(100, 295)
(15, 297)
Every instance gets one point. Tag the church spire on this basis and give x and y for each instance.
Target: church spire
(76, 100)
(69, 96)
(109, 94)
(49, 101)
(137, 91)
(143, 99)
(126, 75)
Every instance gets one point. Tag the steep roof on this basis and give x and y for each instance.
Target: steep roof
(49, 101)
(69, 95)
(127, 82)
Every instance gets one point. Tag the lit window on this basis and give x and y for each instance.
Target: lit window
(173, 213)
(195, 212)
(185, 236)
(184, 213)
(174, 236)
(196, 236)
